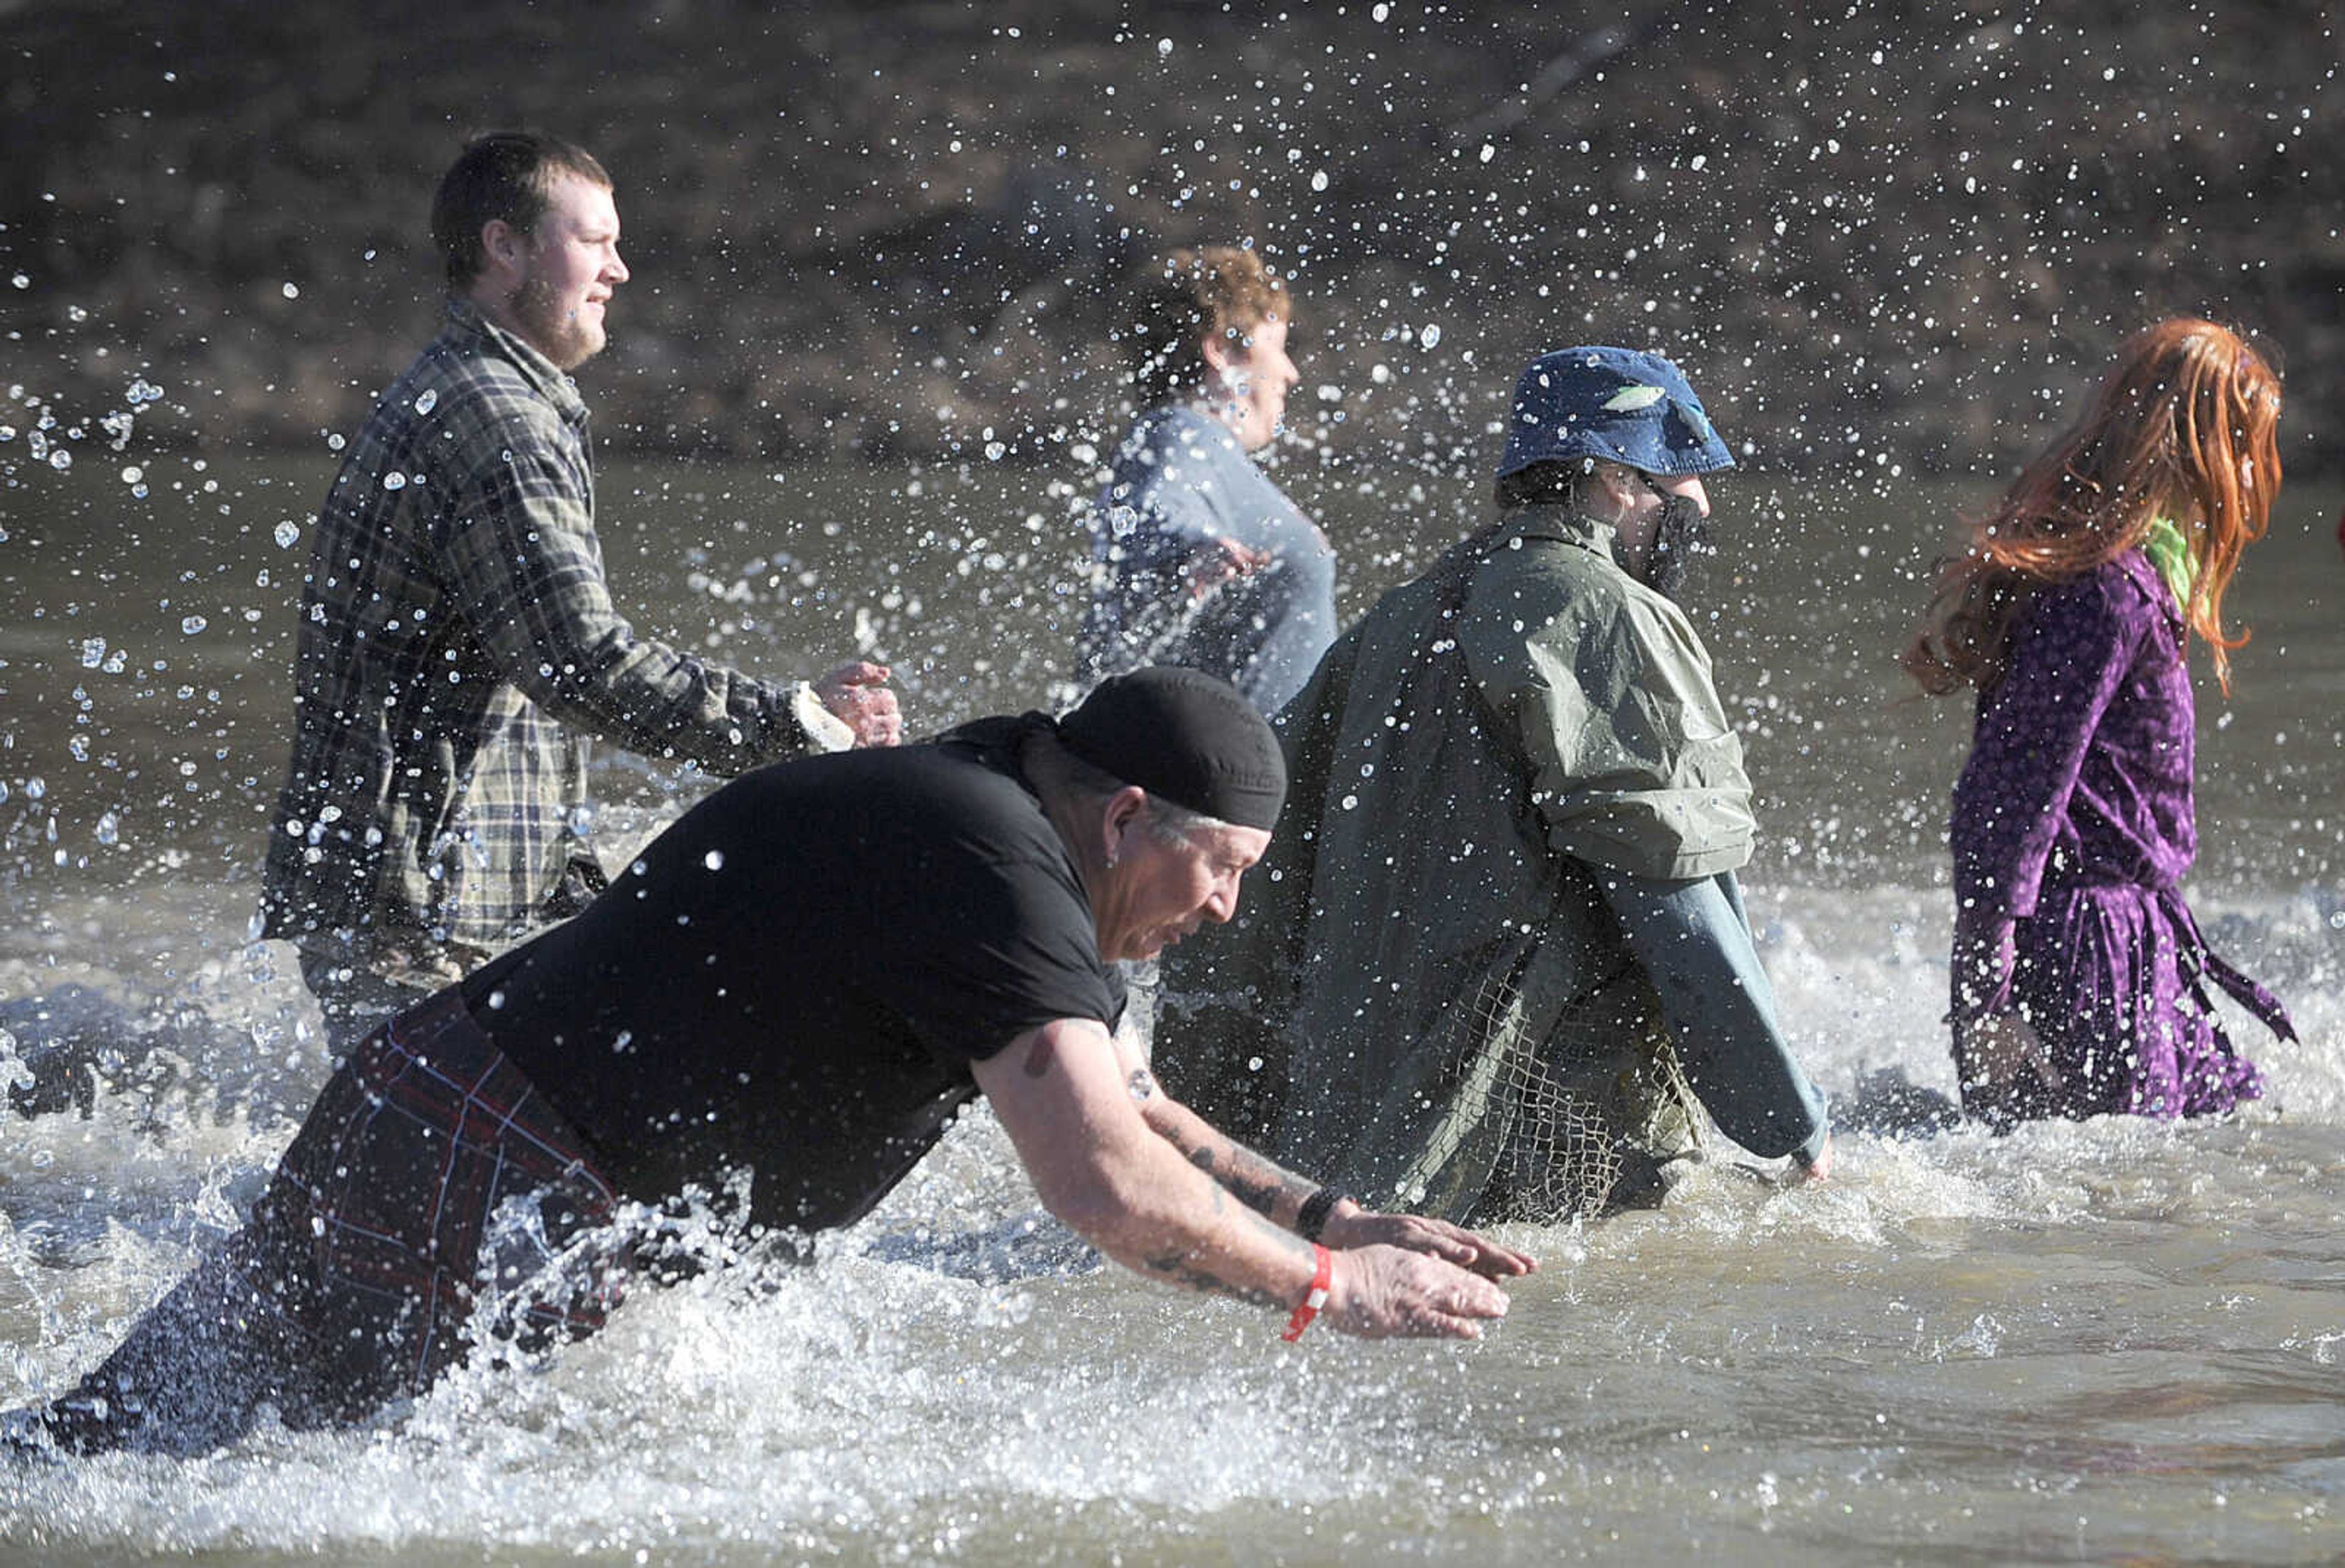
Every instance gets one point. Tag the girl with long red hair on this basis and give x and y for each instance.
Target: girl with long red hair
(2080, 975)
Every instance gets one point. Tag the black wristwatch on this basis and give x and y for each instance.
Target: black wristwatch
(1311, 1217)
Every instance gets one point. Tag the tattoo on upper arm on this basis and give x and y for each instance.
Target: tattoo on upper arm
(1038, 1057)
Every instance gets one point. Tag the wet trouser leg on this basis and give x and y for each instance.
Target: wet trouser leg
(430, 1171)
(352, 997)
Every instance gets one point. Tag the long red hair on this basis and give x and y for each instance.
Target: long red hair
(2183, 427)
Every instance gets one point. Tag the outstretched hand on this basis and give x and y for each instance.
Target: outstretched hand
(1350, 1227)
(857, 692)
(1386, 1292)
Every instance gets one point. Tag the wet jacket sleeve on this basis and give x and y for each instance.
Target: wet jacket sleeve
(527, 572)
(1694, 941)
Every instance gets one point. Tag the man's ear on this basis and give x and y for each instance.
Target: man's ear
(502, 244)
(1616, 485)
(1221, 350)
(1125, 807)
(1125, 804)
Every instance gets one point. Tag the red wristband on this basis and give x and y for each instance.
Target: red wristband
(1315, 1298)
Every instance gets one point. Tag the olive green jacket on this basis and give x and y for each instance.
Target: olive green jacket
(1465, 763)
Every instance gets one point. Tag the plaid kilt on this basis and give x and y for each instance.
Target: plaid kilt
(430, 1174)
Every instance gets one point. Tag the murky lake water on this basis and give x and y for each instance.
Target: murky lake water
(2110, 1341)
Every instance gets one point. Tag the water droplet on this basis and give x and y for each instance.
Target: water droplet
(394, 480)
(93, 653)
(713, 860)
(1319, 180)
(993, 450)
(109, 829)
(1164, 46)
(292, 291)
(193, 624)
(427, 399)
(1429, 336)
(132, 473)
(61, 460)
(288, 531)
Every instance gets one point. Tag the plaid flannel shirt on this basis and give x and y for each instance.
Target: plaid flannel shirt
(458, 646)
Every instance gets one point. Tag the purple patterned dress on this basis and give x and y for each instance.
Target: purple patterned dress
(2072, 825)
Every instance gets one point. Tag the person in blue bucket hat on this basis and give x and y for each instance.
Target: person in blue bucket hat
(1638, 413)
(1522, 1006)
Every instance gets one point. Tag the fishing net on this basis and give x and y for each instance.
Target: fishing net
(1551, 1112)
(1595, 1114)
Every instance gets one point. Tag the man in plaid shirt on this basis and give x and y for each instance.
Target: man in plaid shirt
(458, 645)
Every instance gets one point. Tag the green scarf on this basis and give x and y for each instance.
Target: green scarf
(2170, 554)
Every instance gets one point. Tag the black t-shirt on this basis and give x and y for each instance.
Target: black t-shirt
(797, 975)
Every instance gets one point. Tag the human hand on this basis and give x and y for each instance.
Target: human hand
(1995, 1050)
(1820, 1167)
(858, 693)
(1386, 1292)
(1221, 560)
(1351, 1226)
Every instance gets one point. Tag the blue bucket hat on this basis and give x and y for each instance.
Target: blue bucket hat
(1615, 405)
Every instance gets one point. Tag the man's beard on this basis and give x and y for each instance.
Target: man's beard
(1680, 534)
(560, 334)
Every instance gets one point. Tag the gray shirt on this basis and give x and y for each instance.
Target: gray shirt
(1180, 481)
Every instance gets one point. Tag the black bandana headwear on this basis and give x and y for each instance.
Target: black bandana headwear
(1185, 736)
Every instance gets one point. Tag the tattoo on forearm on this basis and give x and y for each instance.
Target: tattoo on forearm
(1177, 1270)
(1254, 1181)
(1260, 1197)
